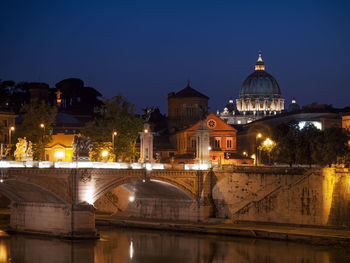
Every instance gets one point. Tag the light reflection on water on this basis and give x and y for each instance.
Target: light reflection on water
(120, 246)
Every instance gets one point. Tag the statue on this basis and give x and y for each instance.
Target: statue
(148, 113)
(24, 150)
(81, 148)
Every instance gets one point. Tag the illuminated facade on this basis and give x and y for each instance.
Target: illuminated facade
(60, 148)
(222, 138)
(259, 96)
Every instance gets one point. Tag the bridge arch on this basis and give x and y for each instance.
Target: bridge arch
(103, 189)
(27, 192)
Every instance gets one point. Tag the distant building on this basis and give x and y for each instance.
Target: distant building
(321, 116)
(346, 121)
(259, 96)
(185, 108)
(7, 120)
(223, 139)
(60, 149)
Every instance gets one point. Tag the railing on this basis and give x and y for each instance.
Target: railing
(101, 165)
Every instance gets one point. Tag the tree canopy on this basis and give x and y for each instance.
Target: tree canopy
(34, 114)
(115, 115)
(309, 145)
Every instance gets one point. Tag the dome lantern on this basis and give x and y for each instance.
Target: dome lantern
(259, 63)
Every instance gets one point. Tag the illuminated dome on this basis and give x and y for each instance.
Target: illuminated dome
(260, 92)
(260, 83)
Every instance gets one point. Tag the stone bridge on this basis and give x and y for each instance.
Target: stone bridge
(59, 201)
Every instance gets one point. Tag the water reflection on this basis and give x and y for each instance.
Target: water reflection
(120, 246)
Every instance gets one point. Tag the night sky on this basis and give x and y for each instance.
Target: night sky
(146, 49)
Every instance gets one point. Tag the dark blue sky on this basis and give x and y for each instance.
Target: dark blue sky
(146, 49)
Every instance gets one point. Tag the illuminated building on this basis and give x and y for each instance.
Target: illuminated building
(222, 138)
(60, 148)
(259, 96)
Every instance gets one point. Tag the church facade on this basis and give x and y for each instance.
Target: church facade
(259, 96)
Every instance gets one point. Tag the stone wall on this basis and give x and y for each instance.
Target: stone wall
(168, 209)
(53, 219)
(311, 197)
(259, 194)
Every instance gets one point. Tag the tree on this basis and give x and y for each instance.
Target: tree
(333, 146)
(307, 143)
(115, 115)
(34, 114)
(284, 135)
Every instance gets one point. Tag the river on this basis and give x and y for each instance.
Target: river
(133, 245)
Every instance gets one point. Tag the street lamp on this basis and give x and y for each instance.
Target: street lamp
(257, 137)
(42, 126)
(11, 129)
(268, 145)
(113, 135)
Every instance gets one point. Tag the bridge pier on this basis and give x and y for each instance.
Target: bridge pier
(52, 219)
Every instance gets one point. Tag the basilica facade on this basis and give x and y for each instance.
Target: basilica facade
(259, 96)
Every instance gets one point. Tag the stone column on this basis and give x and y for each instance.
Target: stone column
(146, 147)
(202, 143)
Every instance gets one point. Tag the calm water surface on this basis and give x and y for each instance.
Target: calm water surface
(130, 245)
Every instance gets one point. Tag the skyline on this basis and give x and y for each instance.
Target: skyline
(147, 50)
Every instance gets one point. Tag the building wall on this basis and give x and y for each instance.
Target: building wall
(7, 120)
(346, 122)
(185, 140)
(184, 111)
(60, 148)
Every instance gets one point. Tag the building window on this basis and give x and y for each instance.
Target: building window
(193, 143)
(5, 123)
(229, 143)
(217, 142)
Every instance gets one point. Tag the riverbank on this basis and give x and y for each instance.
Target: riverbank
(311, 235)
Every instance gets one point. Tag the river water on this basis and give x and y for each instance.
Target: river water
(132, 245)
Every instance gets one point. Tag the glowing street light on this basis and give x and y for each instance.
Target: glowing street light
(42, 125)
(104, 153)
(268, 142)
(11, 129)
(258, 136)
(113, 135)
(268, 145)
(131, 198)
(146, 130)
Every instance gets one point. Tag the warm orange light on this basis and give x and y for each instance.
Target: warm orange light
(115, 133)
(268, 142)
(104, 154)
(12, 128)
(259, 135)
(42, 125)
(146, 131)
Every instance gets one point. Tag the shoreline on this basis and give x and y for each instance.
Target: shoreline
(310, 235)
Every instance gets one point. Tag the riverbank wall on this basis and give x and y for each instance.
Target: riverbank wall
(316, 197)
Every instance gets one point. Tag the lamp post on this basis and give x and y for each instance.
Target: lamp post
(268, 144)
(42, 126)
(257, 137)
(11, 129)
(113, 135)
